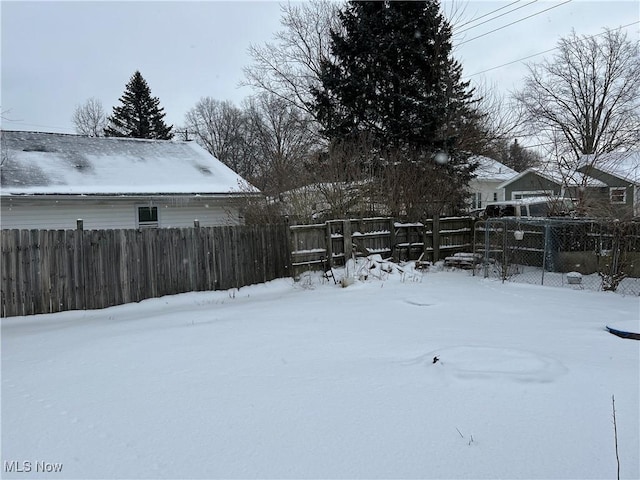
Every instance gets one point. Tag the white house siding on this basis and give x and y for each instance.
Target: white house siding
(207, 216)
(488, 176)
(488, 190)
(63, 217)
(22, 213)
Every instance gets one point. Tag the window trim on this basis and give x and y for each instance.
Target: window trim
(531, 193)
(147, 224)
(624, 195)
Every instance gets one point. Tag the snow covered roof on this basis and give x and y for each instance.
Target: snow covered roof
(490, 169)
(52, 163)
(573, 179)
(624, 165)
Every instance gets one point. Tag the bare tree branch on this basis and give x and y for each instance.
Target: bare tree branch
(279, 136)
(289, 66)
(585, 103)
(587, 97)
(222, 128)
(89, 118)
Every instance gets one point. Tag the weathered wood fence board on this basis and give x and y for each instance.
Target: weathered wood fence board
(330, 243)
(45, 271)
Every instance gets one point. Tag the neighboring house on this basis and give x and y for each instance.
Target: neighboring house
(620, 172)
(536, 182)
(604, 186)
(485, 187)
(51, 180)
(356, 199)
(531, 182)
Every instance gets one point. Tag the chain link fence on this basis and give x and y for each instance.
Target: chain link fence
(573, 253)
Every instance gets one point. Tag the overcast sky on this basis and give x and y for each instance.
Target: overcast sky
(55, 55)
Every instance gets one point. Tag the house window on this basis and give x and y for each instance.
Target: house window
(476, 200)
(519, 195)
(495, 196)
(618, 194)
(147, 217)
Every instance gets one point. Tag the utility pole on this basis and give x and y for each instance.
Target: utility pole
(185, 134)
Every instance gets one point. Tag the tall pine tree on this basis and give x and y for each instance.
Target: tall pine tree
(394, 79)
(139, 115)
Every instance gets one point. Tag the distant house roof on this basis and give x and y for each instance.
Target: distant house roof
(52, 163)
(490, 169)
(625, 165)
(575, 179)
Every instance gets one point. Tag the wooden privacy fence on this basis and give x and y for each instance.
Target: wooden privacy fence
(330, 243)
(45, 271)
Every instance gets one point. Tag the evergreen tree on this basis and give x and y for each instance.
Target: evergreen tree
(520, 158)
(139, 115)
(393, 78)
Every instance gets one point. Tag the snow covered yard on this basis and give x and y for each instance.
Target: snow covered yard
(311, 380)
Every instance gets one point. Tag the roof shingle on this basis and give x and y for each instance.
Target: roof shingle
(51, 163)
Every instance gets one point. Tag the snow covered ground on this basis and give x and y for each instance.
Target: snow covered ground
(311, 380)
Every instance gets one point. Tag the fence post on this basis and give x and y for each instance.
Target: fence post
(289, 259)
(196, 223)
(81, 282)
(487, 245)
(547, 230)
(328, 244)
(436, 237)
(392, 239)
(348, 245)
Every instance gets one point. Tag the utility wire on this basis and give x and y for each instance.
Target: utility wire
(497, 16)
(513, 61)
(486, 14)
(513, 23)
(537, 145)
(546, 51)
(20, 123)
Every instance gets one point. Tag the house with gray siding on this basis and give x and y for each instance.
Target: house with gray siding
(620, 172)
(51, 180)
(532, 182)
(604, 186)
(535, 182)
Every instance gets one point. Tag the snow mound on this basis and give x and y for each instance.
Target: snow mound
(491, 363)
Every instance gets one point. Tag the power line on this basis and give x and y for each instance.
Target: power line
(513, 61)
(537, 145)
(513, 23)
(487, 14)
(546, 51)
(20, 123)
(497, 16)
